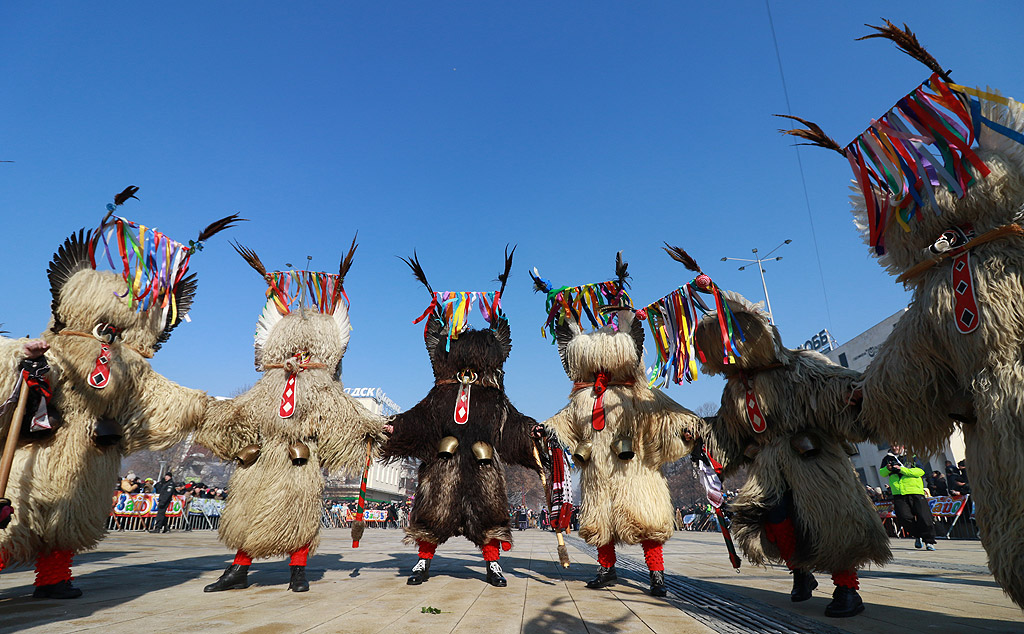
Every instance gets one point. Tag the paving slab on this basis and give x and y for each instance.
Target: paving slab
(139, 582)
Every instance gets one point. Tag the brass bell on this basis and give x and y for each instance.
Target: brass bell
(446, 448)
(484, 453)
(582, 452)
(805, 444)
(106, 432)
(248, 455)
(299, 453)
(623, 447)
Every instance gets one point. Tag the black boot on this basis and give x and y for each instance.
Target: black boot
(845, 602)
(804, 584)
(658, 587)
(298, 582)
(59, 590)
(420, 572)
(605, 577)
(494, 576)
(235, 577)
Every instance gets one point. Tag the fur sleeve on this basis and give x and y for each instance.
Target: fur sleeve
(721, 445)
(224, 430)
(829, 391)
(164, 412)
(515, 443)
(667, 421)
(909, 390)
(343, 437)
(416, 433)
(562, 426)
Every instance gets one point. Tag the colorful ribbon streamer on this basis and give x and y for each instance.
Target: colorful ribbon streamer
(311, 289)
(455, 306)
(673, 321)
(151, 263)
(576, 302)
(926, 140)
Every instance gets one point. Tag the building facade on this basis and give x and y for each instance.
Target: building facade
(857, 354)
(388, 482)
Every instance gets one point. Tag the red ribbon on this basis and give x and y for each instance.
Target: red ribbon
(600, 385)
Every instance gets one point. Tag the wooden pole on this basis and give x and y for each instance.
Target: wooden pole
(563, 553)
(359, 525)
(13, 431)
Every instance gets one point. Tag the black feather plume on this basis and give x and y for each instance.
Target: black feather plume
(814, 134)
(184, 295)
(621, 270)
(682, 257)
(219, 225)
(70, 258)
(907, 42)
(346, 262)
(417, 271)
(503, 278)
(128, 192)
(250, 256)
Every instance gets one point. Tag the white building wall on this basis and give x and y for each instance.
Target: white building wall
(383, 478)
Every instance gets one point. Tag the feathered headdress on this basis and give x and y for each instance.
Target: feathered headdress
(673, 321)
(300, 290)
(452, 308)
(153, 265)
(596, 302)
(927, 140)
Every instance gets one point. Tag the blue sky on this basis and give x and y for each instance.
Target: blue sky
(571, 129)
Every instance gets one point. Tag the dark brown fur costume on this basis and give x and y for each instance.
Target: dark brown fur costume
(457, 496)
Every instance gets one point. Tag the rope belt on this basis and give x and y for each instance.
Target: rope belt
(994, 234)
(76, 333)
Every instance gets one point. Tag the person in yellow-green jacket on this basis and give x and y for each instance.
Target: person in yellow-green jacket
(908, 501)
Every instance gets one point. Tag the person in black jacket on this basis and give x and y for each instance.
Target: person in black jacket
(165, 491)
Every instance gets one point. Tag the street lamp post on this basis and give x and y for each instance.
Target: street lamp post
(760, 263)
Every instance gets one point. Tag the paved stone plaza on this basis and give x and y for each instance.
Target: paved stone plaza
(138, 582)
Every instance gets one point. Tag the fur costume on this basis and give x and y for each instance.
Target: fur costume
(621, 431)
(60, 482)
(802, 504)
(954, 356)
(298, 419)
(461, 489)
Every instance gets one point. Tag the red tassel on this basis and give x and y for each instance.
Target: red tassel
(53, 567)
(242, 559)
(653, 555)
(606, 555)
(783, 535)
(491, 552)
(846, 579)
(299, 556)
(426, 549)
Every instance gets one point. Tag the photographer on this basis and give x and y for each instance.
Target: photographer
(908, 501)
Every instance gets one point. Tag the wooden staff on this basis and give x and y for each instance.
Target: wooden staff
(359, 525)
(563, 553)
(12, 436)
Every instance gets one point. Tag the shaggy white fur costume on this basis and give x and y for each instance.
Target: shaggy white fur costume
(61, 485)
(275, 506)
(801, 394)
(927, 372)
(624, 501)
